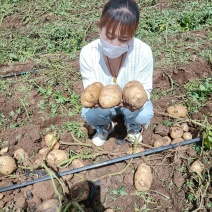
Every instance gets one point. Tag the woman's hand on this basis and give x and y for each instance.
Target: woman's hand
(128, 106)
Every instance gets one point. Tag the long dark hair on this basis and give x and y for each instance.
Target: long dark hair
(123, 13)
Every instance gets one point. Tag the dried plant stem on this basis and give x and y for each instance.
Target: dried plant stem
(115, 173)
(182, 119)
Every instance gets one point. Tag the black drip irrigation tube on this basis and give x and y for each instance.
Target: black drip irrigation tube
(17, 74)
(104, 163)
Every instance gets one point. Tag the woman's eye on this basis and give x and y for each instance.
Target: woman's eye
(123, 41)
(110, 37)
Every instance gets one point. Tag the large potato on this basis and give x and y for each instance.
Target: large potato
(162, 141)
(143, 177)
(56, 156)
(7, 165)
(110, 96)
(134, 94)
(90, 95)
(176, 132)
(179, 111)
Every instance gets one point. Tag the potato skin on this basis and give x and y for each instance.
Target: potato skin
(176, 132)
(134, 94)
(90, 95)
(7, 165)
(110, 96)
(179, 111)
(162, 141)
(143, 177)
(56, 156)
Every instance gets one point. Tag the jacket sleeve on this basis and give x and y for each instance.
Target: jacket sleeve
(146, 72)
(86, 68)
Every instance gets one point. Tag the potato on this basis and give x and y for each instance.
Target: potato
(49, 205)
(176, 132)
(56, 156)
(76, 163)
(1, 196)
(138, 150)
(197, 167)
(134, 94)
(187, 136)
(162, 141)
(7, 165)
(21, 155)
(184, 126)
(143, 177)
(110, 96)
(90, 95)
(4, 150)
(178, 140)
(179, 111)
(50, 140)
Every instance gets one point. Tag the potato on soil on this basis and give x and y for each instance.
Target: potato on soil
(49, 205)
(134, 94)
(178, 140)
(184, 126)
(179, 111)
(50, 140)
(56, 156)
(76, 163)
(90, 95)
(187, 136)
(176, 132)
(4, 150)
(21, 155)
(137, 150)
(162, 141)
(197, 167)
(110, 96)
(143, 178)
(7, 165)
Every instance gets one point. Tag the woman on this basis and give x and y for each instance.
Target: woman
(117, 57)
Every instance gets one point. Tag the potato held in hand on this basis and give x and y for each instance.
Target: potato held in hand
(134, 94)
(90, 95)
(110, 96)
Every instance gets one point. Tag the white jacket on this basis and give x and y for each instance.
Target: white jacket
(138, 65)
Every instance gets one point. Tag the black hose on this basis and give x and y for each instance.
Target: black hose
(104, 163)
(17, 74)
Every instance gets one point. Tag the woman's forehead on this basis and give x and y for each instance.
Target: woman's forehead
(118, 31)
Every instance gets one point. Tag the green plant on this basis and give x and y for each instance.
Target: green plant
(75, 128)
(120, 191)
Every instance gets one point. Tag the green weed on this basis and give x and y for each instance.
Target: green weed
(200, 89)
(120, 191)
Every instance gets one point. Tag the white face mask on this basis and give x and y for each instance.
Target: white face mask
(112, 51)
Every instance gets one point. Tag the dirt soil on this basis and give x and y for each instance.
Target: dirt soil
(109, 186)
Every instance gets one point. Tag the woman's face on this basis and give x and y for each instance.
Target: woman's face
(115, 39)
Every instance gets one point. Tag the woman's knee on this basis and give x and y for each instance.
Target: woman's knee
(95, 116)
(145, 114)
